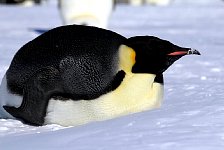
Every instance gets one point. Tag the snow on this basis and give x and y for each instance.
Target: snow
(191, 116)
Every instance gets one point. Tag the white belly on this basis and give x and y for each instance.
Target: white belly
(136, 93)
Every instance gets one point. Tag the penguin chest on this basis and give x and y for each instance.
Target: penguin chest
(137, 92)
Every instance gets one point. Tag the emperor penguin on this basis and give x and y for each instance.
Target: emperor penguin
(151, 2)
(86, 12)
(73, 75)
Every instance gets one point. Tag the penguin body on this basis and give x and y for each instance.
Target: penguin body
(136, 93)
(73, 75)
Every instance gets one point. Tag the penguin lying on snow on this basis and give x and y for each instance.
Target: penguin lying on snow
(73, 75)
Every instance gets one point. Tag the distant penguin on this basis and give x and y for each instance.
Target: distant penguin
(159, 2)
(26, 3)
(86, 12)
(151, 2)
(73, 75)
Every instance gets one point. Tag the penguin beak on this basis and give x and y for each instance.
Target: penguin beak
(192, 51)
(188, 51)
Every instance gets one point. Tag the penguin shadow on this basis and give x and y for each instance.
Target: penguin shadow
(39, 30)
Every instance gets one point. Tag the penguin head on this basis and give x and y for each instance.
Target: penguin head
(154, 55)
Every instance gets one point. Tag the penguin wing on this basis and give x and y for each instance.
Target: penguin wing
(87, 77)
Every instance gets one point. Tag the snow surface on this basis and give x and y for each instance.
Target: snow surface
(192, 115)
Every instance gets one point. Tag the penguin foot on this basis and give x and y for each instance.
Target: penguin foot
(11, 110)
(24, 116)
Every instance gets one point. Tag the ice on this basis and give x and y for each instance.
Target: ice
(191, 117)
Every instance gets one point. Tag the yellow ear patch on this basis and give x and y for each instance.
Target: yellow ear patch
(126, 58)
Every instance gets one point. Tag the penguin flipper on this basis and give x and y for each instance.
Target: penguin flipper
(36, 95)
(116, 81)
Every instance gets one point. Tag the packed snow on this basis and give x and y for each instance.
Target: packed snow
(191, 117)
